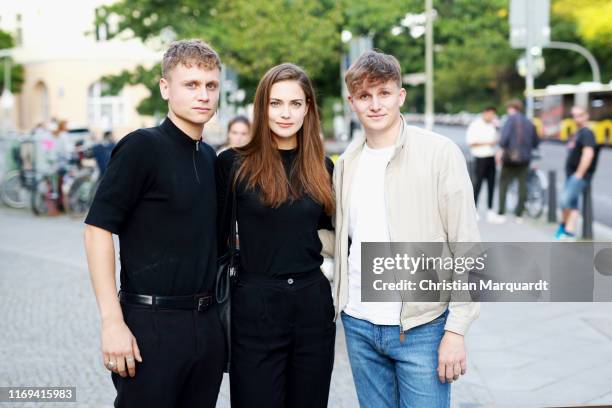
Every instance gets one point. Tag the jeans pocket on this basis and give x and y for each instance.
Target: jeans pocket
(576, 183)
(440, 319)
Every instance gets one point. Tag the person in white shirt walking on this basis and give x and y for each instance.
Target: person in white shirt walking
(482, 138)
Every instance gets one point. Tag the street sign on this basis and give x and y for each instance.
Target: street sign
(358, 46)
(529, 23)
(537, 68)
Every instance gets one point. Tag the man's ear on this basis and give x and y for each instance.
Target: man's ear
(163, 89)
(402, 95)
(350, 101)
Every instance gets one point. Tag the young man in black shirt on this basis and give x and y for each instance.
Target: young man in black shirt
(579, 169)
(161, 337)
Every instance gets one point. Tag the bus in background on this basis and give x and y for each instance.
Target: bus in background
(553, 105)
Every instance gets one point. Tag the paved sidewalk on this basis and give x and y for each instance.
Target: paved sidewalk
(519, 355)
(537, 354)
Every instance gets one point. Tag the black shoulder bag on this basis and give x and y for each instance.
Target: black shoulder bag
(226, 272)
(512, 155)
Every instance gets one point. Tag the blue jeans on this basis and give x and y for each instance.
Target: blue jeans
(572, 191)
(389, 373)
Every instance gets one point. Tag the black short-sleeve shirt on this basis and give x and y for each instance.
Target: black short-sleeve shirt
(158, 195)
(275, 242)
(583, 138)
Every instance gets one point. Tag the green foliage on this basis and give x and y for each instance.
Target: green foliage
(147, 77)
(474, 64)
(592, 18)
(6, 41)
(588, 25)
(376, 17)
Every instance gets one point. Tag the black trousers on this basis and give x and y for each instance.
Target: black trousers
(283, 337)
(484, 170)
(183, 356)
(509, 173)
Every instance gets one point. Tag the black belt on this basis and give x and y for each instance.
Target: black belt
(199, 302)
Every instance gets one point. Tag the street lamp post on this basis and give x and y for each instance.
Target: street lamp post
(420, 24)
(582, 51)
(6, 99)
(429, 85)
(529, 60)
(530, 30)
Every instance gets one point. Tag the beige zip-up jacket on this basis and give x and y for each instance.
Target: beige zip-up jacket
(429, 198)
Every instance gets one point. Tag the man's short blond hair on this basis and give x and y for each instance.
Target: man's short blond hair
(189, 53)
(373, 67)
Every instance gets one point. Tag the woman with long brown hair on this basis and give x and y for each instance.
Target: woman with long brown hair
(283, 330)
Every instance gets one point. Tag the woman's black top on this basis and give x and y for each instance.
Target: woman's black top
(275, 242)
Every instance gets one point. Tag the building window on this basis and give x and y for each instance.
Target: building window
(105, 112)
(40, 108)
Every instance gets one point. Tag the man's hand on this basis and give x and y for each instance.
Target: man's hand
(578, 176)
(119, 347)
(451, 357)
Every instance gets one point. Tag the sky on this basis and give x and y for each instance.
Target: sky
(49, 23)
(59, 29)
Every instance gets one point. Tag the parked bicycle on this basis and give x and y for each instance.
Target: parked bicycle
(17, 183)
(79, 183)
(45, 195)
(81, 189)
(16, 188)
(537, 185)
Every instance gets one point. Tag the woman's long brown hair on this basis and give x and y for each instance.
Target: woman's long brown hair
(261, 165)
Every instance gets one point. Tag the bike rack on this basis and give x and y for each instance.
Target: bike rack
(587, 212)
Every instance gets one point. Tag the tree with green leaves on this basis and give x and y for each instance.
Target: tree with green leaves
(587, 25)
(251, 36)
(474, 64)
(7, 42)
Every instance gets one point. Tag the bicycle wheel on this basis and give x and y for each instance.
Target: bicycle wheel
(79, 196)
(512, 196)
(39, 202)
(12, 191)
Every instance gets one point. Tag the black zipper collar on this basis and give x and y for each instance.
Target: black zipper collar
(178, 135)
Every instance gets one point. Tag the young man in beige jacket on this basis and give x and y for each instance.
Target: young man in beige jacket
(399, 184)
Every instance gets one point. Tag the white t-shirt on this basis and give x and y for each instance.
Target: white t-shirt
(368, 223)
(480, 131)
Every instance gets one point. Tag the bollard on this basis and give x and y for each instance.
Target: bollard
(552, 196)
(587, 212)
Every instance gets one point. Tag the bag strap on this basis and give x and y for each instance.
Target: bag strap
(233, 223)
(224, 275)
(231, 194)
